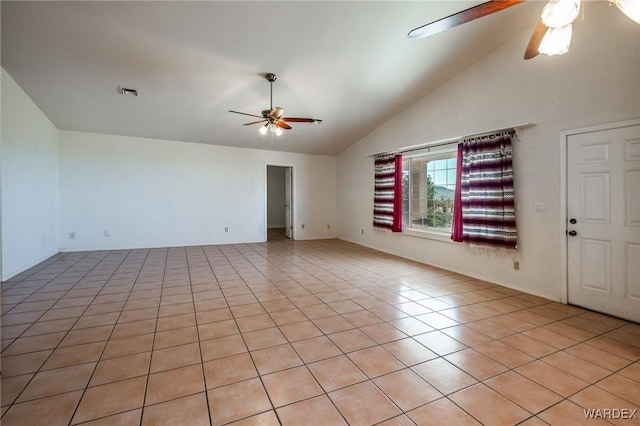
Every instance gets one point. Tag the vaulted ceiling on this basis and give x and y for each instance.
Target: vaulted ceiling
(347, 63)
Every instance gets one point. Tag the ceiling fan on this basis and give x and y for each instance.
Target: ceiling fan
(552, 34)
(272, 117)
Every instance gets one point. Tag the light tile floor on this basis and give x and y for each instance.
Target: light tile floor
(299, 333)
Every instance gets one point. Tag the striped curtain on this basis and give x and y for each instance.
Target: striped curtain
(486, 186)
(387, 202)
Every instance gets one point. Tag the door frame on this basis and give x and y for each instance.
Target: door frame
(564, 157)
(293, 197)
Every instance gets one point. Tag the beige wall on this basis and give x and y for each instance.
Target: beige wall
(157, 193)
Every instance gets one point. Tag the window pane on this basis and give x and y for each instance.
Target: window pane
(441, 177)
(451, 177)
(406, 169)
(431, 193)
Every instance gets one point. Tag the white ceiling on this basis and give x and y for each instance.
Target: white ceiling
(347, 63)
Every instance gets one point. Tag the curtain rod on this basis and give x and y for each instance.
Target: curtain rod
(451, 140)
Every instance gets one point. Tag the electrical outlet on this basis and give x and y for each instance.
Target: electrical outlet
(72, 235)
(226, 229)
(362, 231)
(538, 207)
(106, 233)
(516, 265)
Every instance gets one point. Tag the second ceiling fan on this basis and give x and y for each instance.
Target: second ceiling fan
(552, 34)
(272, 118)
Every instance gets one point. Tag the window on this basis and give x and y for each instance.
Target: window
(428, 188)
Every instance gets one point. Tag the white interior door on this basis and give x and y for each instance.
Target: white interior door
(288, 194)
(603, 227)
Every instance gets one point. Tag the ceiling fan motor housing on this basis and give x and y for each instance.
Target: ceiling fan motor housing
(274, 113)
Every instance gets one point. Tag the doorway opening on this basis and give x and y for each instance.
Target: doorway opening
(279, 219)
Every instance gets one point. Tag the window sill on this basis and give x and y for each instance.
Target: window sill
(430, 235)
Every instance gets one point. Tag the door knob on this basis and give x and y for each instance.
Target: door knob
(572, 233)
(573, 221)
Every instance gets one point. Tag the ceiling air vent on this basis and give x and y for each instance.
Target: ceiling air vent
(127, 92)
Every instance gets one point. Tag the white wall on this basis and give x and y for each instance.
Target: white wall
(596, 82)
(276, 197)
(30, 174)
(155, 193)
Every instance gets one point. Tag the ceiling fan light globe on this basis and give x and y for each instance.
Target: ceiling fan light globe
(278, 131)
(631, 8)
(556, 41)
(560, 13)
(263, 130)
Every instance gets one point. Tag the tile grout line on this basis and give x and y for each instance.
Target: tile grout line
(84, 391)
(155, 331)
(235, 319)
(195, 314)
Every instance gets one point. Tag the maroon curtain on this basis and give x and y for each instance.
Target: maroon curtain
(387, 202)
(456, 226)
(397, 195)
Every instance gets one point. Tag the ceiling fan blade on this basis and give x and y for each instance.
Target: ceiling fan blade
(254, 122)
(535, 40)
(463, 17)
(283, 125)
(300, 120)
(244, 113)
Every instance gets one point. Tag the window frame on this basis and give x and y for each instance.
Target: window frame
(445, 152)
